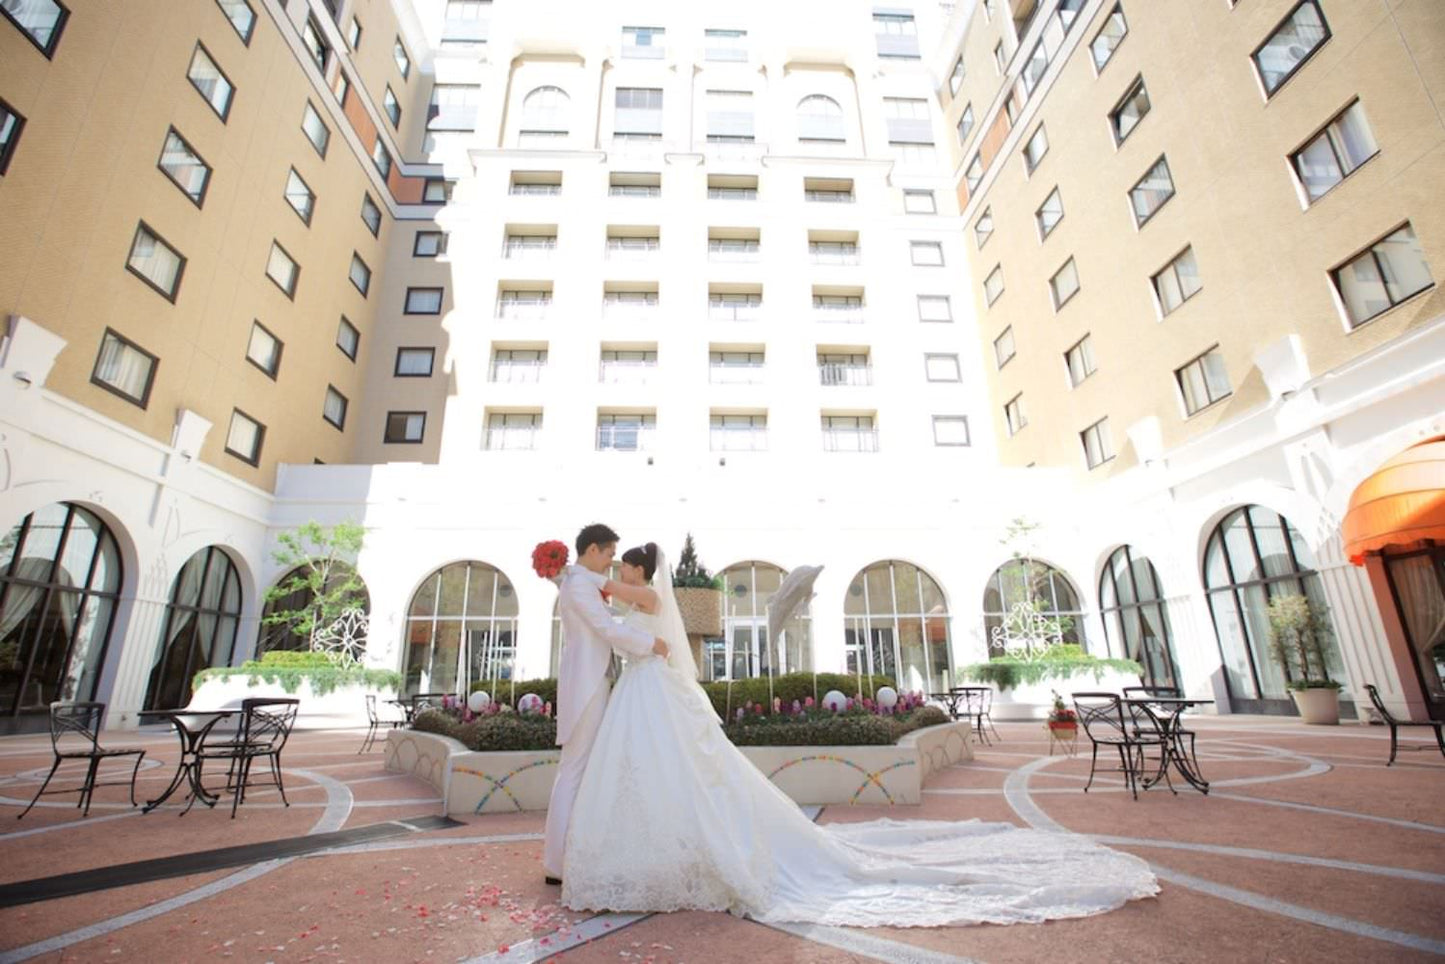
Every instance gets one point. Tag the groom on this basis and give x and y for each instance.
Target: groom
(582, 690)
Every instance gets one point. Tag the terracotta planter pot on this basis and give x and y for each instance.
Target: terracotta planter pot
(1063, 726)
(1319, 705)
(701, 611)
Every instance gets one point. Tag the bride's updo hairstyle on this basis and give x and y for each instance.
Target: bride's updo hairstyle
(644, 557)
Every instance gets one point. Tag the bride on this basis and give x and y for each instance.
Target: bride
(671, 816)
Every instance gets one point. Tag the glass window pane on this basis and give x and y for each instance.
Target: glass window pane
(1402, 259)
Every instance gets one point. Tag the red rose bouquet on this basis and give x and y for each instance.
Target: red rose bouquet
(549, 558)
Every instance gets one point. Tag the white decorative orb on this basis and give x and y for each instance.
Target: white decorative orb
(887, 697)
(530, 703)
(478, 701)
(835, 701)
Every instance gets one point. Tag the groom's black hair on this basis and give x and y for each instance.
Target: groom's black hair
(596, 534)
(644, 556)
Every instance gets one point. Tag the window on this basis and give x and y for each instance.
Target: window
(512, 431)
(241, 16)
(638, 113)
(437, 190)
(348, 339)
(950, 430)
(828, 190)
(1177, 283)
(299, 196)
(827, 247)
(414, 362)
(1335, 152)
(281, 269)
(735, 367)
(315, 43)
(244, 437)
(630, 302)
(725, 45)
(545, 117)
(403, 62)
(1035, 67)
(983, 227)
(908, 120)
(729, 116)
(155, 262)
(518, 245)
(1003, 347)
(1080, 361)
(1151, 192)
(919, 202)
(734, 305)
(897, 624)
(124, 368)
(452, 108)
(264, 350)
(618, 365)
(41, 21)
(820, 119)
(518, 364)
(360, 274)
(315, 129)
(993, 284)
(1038, 587)
(1107, 40)
(1064, 284)
(927, 254)
(178, 160)
(844, 368)
(1389, 271)
(370, 215)
(634, 185)
(1203, 381)
(941, 368)
(423, 301)
(934, 308)
(1000, 58)
(467, 24)
(353, 36)
(381, 157)
(1013, 415)
(341, 87)
(727, 187)
(849, 433)
(965, 125)
(333, 409)
(738, 433)
(838, 307)
(1127, 114)
(1098, 445)
(625, 432)
(404, 428)
(1293, 42)
(391, 106)
(973, 174)
(1136, 616)
(734, 244)
(1049, 214)
(524, 302)
(897, 36)
(955, 78)
(536, 182)
(11, 124)
(645, 43)
(210, 83)
(1035, 149)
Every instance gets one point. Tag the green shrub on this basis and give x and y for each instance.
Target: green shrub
(290, 667)
(789, 687)
(502, 692)
(504, 731)
(1006, 672)
(825, 728)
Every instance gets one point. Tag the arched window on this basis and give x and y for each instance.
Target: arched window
(820, 119)
(60, 578)
(1253, 556)
(744, 651)
(461, 628)
(615, 572)
(281, 637)
(895, 620)
(544, 116)
(1018, 582)
(200, 627)
(1136, 620)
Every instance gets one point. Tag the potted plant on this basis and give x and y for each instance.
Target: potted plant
(1062, 719)
(699, 593)
(1298, 635)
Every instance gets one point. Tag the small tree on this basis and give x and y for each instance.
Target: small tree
(1298, 635)
(317, 560)
(689, 573)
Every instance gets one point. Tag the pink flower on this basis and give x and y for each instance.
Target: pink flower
(758, 709)
(808, 702)
(546, 709)
(849, 704)
(777, 704)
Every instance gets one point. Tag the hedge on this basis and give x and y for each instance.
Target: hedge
(828, 729)
(504, 731)
(290, 668)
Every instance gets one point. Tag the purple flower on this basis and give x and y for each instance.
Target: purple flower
(849, 704)
(740, 714)
(797, 707)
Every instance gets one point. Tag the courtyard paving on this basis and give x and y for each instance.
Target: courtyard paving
(1307, 849)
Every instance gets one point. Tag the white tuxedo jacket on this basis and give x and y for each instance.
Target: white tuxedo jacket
(590, 634)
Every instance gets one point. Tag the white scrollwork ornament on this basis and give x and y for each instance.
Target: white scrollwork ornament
(1025, 632)
(345, 636)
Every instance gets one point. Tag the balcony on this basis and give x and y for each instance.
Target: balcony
(624, 438)
(860, 440)
(729, 251)
(734, 310)
(832, 373)
(529, 249)
(848, 313)
(610, 372)
(830, 197)
(630, 309)
(843, 254)
(517, 372)
(721, 374)
(524, 309)
(632, 249)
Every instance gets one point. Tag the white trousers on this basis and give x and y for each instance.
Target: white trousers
(569, 780)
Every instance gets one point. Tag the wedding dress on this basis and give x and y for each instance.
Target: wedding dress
(671, 816)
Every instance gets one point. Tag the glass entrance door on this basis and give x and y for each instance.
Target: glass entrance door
(748, 652)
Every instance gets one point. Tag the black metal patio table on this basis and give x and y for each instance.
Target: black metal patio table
(1170, 724)
(192, 727)
(411, 704)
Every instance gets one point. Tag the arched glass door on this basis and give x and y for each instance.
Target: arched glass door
(1136, 618)
(896, 623)
(200, 627)
(461, 629)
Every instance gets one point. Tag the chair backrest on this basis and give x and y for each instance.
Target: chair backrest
(1379, 704)
(1144, 721)
(75, 727)
(371, 708)
(268, 721)
(1101, 715)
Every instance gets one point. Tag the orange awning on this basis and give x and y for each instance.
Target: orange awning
(1399, 506)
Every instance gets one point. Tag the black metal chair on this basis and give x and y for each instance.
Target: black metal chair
(265, 726)
(375, 722)
(1180, 734)
(1131, 730)
(974, 703)
(75, 735)
(1395, 725)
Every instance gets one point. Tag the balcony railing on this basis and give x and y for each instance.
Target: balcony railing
(624, 438)
(529, 248)
(734, 311)
(830, 197)
(632, 249)
(739, 440)
(845, 314)
(625, 372)
(735, 374)
(732, 251)
(859, 440)
(517, 372)
(832, 373)
(524, 309)
(642, 310)
(732, 193)
(833, 254)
